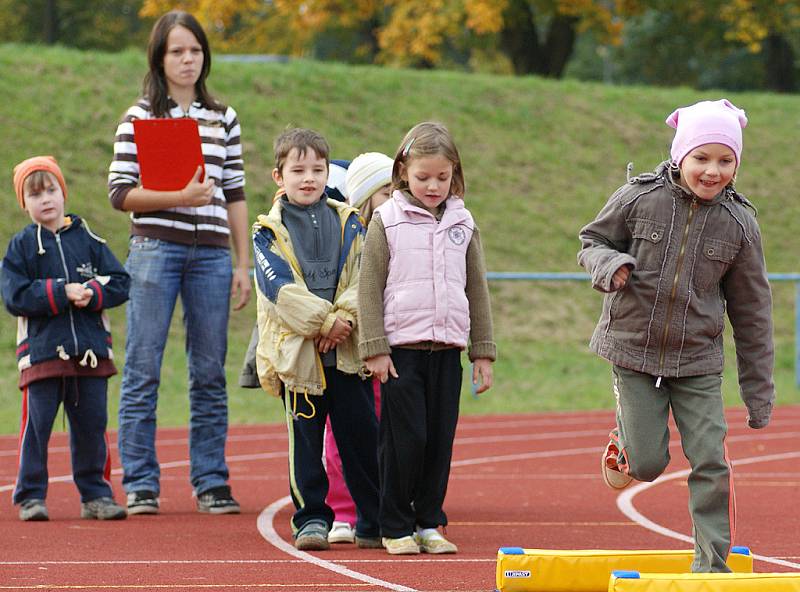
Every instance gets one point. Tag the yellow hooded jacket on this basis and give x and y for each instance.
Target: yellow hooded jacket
(290, 316)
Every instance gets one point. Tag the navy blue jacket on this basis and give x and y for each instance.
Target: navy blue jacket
(36, 267)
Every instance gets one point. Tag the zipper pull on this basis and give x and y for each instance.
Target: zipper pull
(658, 382)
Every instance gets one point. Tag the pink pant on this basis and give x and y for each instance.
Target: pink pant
(339, 499)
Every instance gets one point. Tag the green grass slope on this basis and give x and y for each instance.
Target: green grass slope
(540, 158)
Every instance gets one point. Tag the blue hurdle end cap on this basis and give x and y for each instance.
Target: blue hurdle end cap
(626, 574)
(741, 550)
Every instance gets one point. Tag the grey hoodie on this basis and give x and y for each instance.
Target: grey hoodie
(690, 259)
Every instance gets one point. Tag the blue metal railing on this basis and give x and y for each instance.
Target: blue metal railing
(563, 276)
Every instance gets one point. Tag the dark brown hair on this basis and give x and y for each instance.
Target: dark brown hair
(155, 87)
(428, 138)
(302, 139)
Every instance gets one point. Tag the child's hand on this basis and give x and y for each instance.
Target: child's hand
(381, 367)
(195, 193)
(324, 344)
(339, 331)
(78, 294)
(482, 368)
(620, 277)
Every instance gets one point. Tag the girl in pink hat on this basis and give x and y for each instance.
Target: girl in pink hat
(673, 250)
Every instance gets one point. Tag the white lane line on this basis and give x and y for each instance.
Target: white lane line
(467, 423)
(625, 503)
(171, 465)
(463, 440)
(603, 434)
(675, 443)
(391, 560)
(267, 530)
(163, 442)
(191, 587)
(534, 436)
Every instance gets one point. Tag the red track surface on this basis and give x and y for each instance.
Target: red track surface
(529, 481)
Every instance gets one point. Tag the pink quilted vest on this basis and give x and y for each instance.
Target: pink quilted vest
(425, 297)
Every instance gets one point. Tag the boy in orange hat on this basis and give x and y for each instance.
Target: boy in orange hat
(58, 279)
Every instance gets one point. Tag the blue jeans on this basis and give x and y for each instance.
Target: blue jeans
(160, 271)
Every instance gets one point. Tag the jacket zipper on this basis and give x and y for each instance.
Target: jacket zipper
(671, 303)
(66, 279)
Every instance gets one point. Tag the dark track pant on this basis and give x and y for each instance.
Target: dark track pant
(84, 401)
(351, 405)
(696, 403)
(419, 413)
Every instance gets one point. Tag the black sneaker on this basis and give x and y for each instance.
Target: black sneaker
(143, 502)
(217, 500)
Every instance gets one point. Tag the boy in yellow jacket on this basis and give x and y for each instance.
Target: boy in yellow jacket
(307, 252)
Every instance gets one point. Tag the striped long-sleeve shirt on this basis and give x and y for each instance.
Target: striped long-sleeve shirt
(222, 152)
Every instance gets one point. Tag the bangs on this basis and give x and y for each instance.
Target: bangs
(38, 181)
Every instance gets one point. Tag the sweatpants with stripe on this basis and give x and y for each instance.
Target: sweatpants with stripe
(697, 407)
(84, 399)
(419, 413)
(350, 403)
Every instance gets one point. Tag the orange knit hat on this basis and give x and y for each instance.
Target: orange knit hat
(37, 163)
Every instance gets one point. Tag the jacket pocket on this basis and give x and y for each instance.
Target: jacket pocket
(714, 259)
(648, 244)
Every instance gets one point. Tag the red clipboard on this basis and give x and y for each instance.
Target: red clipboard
(169, 152)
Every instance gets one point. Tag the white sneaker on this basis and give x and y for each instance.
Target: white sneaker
(431, 541)
(406, 545)
(341, 532)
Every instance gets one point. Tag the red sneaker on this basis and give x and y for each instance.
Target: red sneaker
(612, 476)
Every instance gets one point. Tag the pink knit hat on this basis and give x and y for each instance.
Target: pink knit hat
(707, 122)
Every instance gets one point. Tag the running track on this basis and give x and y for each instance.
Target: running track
(528, 481)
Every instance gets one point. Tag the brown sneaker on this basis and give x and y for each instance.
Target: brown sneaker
(369, 542)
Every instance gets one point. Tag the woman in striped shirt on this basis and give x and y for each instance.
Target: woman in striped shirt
(180, 245)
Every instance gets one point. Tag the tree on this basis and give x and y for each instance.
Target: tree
(763, 26)
(536, 36)
(279, 26)
(742, 44)
(404, 32)
(408, 32)
(101, 24)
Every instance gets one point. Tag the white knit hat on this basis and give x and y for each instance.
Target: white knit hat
(366, 174)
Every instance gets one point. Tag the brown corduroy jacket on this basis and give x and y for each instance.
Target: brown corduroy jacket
(691, 259)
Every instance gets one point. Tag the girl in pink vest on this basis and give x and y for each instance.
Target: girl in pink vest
(423, 298)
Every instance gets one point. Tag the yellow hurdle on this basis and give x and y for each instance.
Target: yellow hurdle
(546, 570)
(621, 581)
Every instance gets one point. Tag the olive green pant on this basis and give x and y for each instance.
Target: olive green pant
(696, 402)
